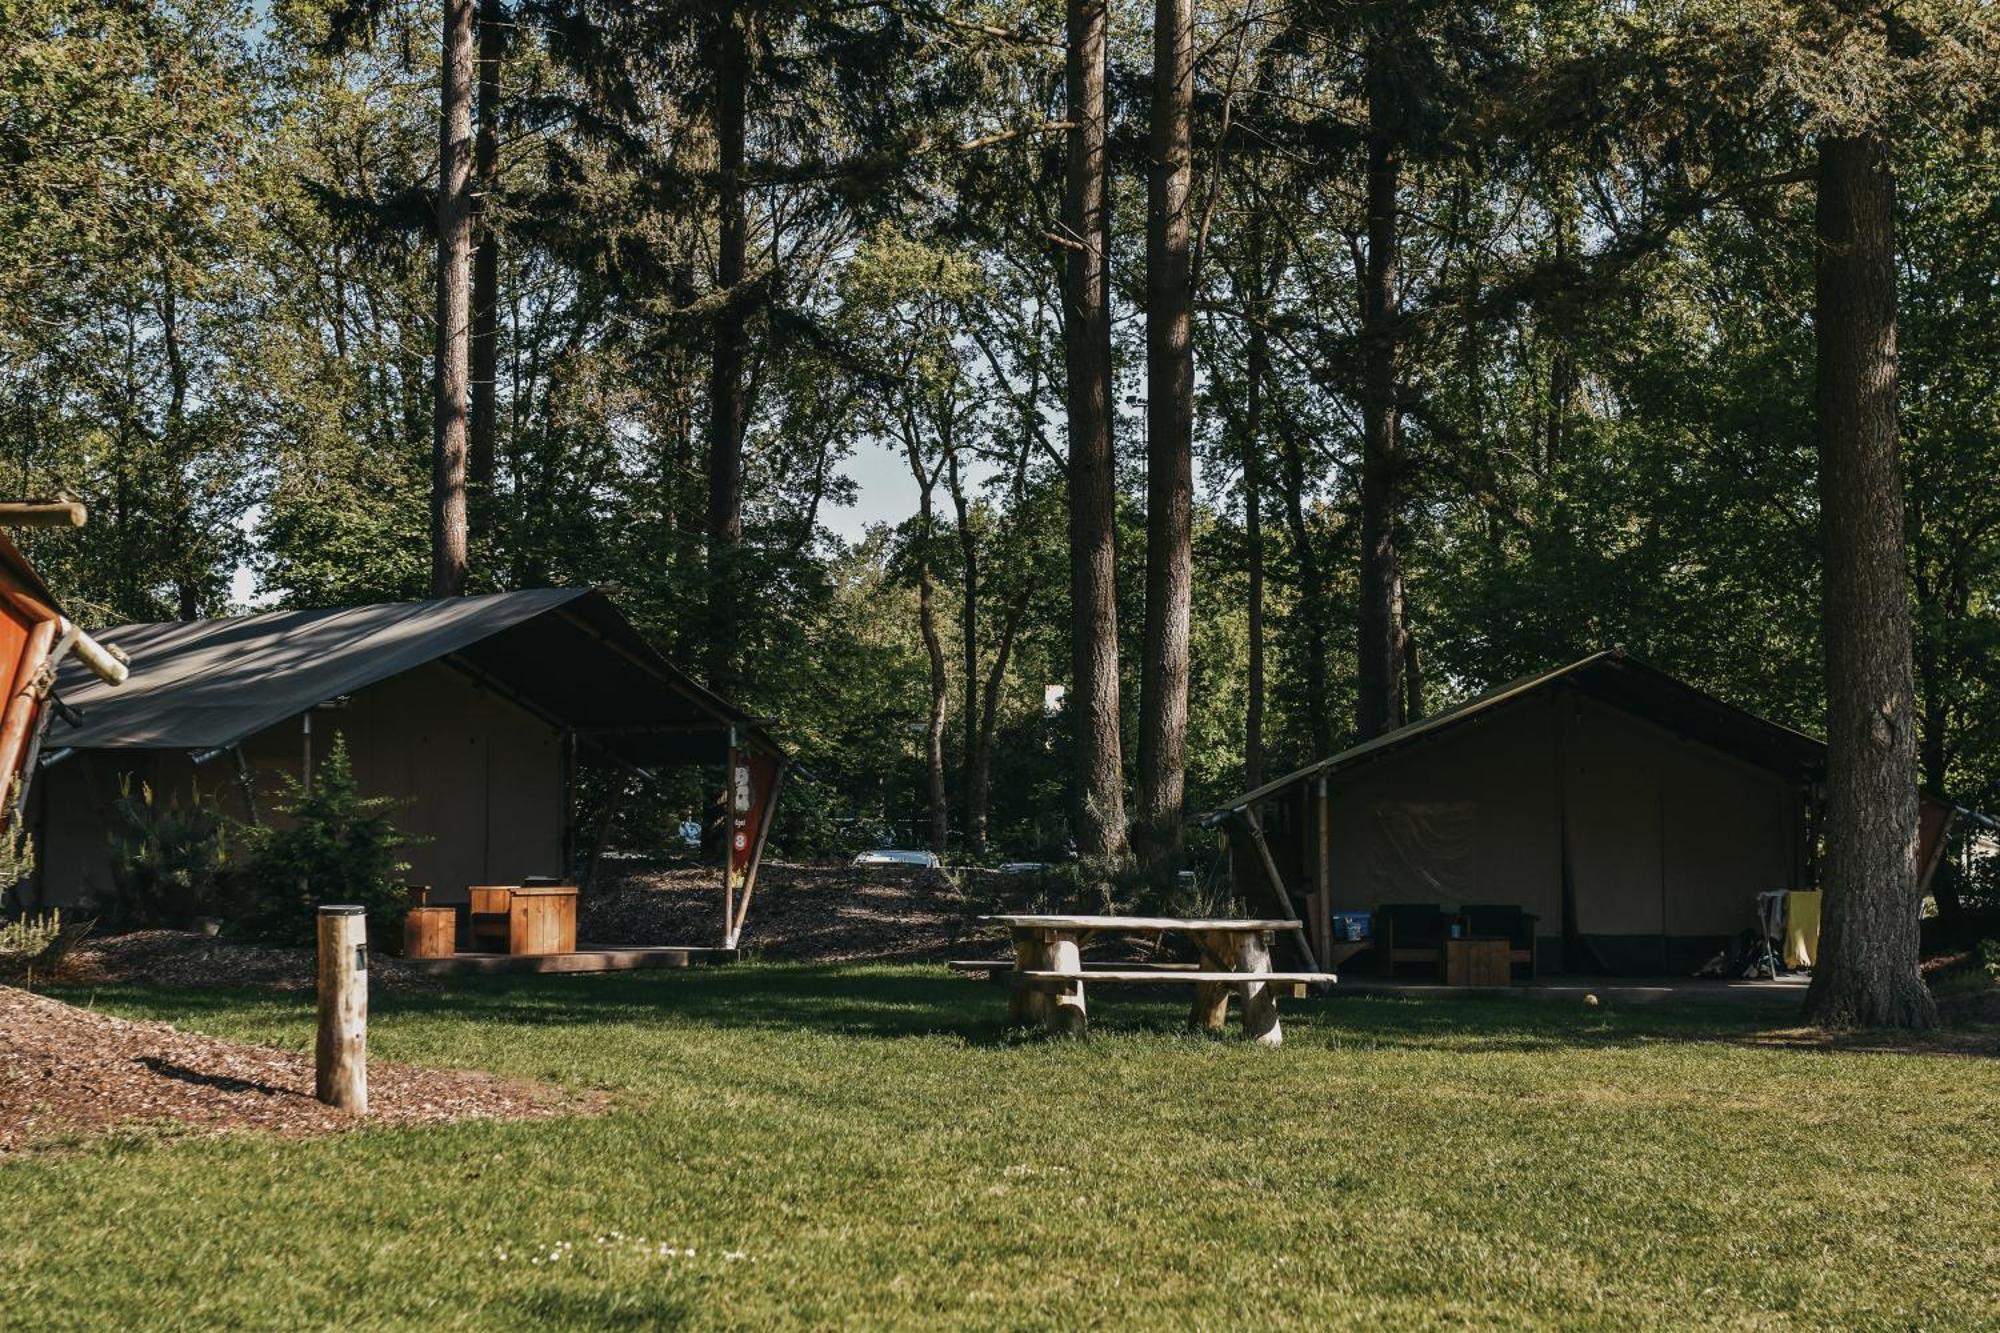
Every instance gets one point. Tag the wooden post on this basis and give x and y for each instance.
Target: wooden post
(1065, 1014)
(341, 1054)
(1211, 998)
(1260, 998)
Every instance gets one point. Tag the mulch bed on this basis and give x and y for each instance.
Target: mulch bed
(815, 913)
(67, 1072)
(182, 958)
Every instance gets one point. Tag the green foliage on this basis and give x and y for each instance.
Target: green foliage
(337, 846)
(1989, 954)
(26, 936)
(168, 861)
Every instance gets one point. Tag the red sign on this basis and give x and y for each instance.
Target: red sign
(752, 780)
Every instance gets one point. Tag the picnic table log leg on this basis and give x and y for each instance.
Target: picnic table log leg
(1027, 1007)
(1260, 998)
(1065, 1014)
(1211, 998)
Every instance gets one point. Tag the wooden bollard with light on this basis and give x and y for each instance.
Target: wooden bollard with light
(341, 1055)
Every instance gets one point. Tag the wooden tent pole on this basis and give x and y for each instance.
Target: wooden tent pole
(1251, 822)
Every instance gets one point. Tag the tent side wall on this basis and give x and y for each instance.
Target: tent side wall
(482, 778)
(1669, 841)
(1471, 815)
(1664, 843)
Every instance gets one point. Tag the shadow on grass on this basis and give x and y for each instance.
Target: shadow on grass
(893, 1003)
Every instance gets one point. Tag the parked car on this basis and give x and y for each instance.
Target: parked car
(896, 856)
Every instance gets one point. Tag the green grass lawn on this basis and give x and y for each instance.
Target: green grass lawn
(861, 1147)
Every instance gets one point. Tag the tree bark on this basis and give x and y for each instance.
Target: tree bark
(1867, 973)
(979, 797)
(726, 406)
(449, 370)
(1093, 495)
(934, 724)
(486, 257)
(968, 634)
(1379, 650)
(1256, 365)
(1163, 666)
(1312, 604)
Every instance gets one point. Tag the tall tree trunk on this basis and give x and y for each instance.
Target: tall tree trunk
(486, 259)
(1867, 973)
(968, 633)
(1256, 365)
(979, 798)
(934, 724)
(726, 407)
(1312, 609)
(449, 371)
(1093, 494)
(1163, 666)
(1380, 648)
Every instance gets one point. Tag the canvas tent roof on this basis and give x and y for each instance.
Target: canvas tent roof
(565, 654)
(1611, 677)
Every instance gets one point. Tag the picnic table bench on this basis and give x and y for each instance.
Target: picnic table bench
(1048, 974)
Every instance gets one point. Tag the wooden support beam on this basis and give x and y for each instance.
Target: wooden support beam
(1256, 829)
(1322, 922)
(43, 514)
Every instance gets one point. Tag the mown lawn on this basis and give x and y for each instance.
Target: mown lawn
(860, 1147)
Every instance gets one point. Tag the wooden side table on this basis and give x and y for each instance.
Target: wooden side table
(430, 932)
(1477, 960)
(541, 918)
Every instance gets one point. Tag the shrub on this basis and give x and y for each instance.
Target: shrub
(340, 847)
(28, 937)
(1989, 952)
(167, 861)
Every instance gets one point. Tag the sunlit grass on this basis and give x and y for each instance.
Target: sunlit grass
(862, 1146)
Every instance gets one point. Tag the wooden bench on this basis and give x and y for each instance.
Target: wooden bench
(1049, 974)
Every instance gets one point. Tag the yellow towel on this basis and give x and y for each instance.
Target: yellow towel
(1801, 928)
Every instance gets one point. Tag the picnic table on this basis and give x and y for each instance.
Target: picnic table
(1048, 972)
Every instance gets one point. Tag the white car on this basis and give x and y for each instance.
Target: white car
(893, 856)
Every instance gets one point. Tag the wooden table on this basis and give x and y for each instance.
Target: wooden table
(1049, 974)
(523, 919)
(1477, 960)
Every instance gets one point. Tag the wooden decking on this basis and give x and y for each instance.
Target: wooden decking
(1608, 990)
(592, 958)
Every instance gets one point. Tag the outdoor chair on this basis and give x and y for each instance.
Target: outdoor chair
(1410, 933)
(1509, 921)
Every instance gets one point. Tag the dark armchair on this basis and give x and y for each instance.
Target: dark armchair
(1509, 921)
(1410, 933)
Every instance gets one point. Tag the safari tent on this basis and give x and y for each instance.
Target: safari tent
(1634, 816)
(475, 711)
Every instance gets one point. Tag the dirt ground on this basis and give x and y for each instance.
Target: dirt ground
(68, 1073)
(811, 913)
